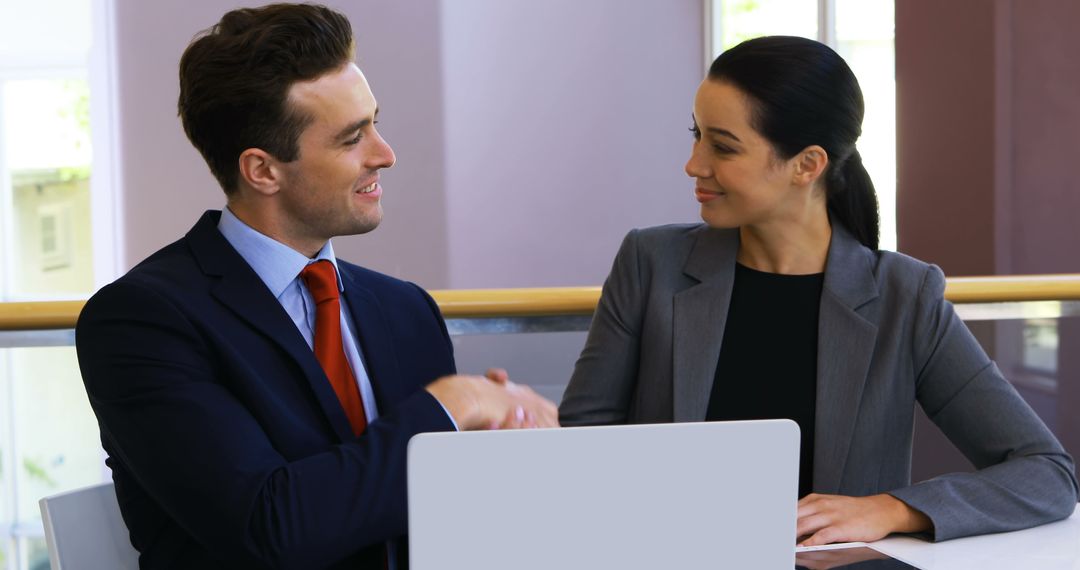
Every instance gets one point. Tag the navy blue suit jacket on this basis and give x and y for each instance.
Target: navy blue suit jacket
(227, 444)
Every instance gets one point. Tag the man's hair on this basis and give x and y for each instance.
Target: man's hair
(235, 79)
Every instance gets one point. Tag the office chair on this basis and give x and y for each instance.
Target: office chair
(83, 529)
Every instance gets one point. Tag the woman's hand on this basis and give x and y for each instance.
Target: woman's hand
(823, 519)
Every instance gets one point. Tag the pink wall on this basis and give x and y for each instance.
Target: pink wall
(166, 184)
(566, 127)
(530, 136)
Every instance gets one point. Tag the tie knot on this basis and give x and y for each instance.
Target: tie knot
(321, 281)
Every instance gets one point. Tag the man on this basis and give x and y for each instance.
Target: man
(255, 394)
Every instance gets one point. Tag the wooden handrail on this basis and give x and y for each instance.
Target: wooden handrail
(550, 301)
(39, 315)
(1013, 288)
(558, 301)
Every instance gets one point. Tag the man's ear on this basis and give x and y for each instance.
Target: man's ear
(810, 165)
(261, 171)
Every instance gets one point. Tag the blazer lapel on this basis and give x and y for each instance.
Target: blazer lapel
(240, 289)
(380, 359)
(699, 314)
(845, 347)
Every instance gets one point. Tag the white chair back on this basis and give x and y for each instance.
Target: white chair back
(83, 529)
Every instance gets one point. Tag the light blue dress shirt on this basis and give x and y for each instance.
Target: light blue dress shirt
(279, 267)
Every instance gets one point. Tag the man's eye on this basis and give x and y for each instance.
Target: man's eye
(359, 136)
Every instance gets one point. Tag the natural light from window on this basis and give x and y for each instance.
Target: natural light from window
(862, 31)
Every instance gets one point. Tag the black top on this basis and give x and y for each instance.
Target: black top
(768, 360)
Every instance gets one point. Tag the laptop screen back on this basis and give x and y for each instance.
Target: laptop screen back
(691, 495)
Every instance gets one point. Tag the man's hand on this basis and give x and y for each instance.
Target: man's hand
(518, 417)
(497, 375)
(493, 402)
(823, 519)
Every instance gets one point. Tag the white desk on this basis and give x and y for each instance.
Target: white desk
(1055, 546)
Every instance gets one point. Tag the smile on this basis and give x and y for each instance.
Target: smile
(704, 195)
(369, 188)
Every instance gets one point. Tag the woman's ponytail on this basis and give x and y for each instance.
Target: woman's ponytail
(851, 199)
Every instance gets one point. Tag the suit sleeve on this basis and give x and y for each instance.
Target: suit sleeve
(605, 375)
(437, 313)
(1024, 477)
(169, 414)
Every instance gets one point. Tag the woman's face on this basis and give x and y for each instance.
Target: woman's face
(740, 180)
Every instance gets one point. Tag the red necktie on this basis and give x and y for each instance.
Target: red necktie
(321, 281)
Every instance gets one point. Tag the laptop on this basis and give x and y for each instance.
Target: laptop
(688, 495)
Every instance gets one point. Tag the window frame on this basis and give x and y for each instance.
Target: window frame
(826, 27)
(713, 33)
(98, 71)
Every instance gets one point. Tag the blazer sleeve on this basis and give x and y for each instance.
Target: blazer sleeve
(168, 411)
(605, 375)
(1024, 477)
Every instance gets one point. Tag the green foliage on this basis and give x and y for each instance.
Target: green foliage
(744, 6)
(36, 471)
(734, 11)
(79, 112)
(72, 173)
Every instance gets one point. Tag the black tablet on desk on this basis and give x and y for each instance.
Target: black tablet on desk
(848, 558)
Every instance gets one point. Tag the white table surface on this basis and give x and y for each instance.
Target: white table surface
(1055, 546)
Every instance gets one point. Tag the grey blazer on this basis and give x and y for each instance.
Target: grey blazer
(887, 338)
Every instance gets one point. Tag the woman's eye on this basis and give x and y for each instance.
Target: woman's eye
(722, 149)
(696, 131)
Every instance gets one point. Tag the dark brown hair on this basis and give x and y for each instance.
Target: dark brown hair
(235, 79)
(802, 93)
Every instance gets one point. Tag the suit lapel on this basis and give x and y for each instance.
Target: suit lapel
(376, 344)
(699, 314)
(845, 347)
(240, 289)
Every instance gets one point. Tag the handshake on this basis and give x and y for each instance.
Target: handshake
(492, 401)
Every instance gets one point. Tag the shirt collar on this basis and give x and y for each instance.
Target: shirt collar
(277, 264)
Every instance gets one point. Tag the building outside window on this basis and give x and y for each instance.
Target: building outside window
(48, 250)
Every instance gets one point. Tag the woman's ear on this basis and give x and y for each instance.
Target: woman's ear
(810, 165)
(260, 171)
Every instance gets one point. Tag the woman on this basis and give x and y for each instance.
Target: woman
(781, 306)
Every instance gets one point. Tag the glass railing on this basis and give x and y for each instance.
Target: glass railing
(49, 437)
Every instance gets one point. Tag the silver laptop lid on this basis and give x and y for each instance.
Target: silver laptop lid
(690, 495)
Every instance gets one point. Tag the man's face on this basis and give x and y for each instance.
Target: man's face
(332, 189)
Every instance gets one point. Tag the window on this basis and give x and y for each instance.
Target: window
(53, 230)
(46, 156)
(862, 31)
